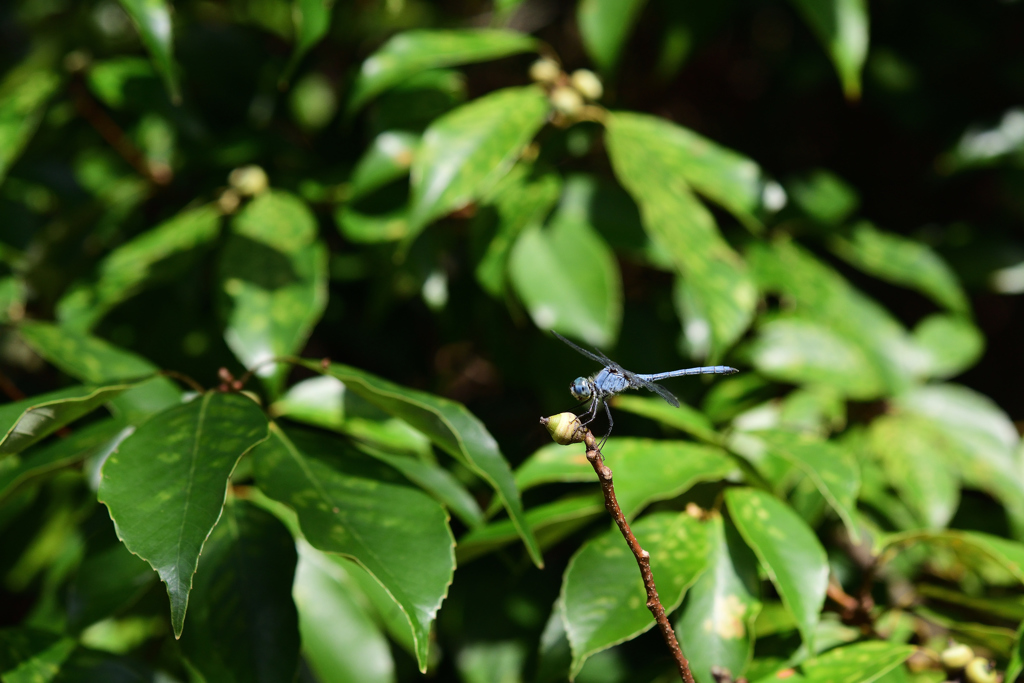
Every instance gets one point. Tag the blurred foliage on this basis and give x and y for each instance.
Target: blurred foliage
(408, 195)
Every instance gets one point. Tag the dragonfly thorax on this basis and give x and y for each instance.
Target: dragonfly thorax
(581, 389)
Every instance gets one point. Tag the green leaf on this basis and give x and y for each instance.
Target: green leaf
(152, 19)
(106, 582)
(353, 506)
(24, 92)
(124, 80)
(605, 27)
(550, 523)
(13, 293)
(842, 28)
(831, 468)
(788, 550)
(274, 281)
(1016, 663)
(716, 628)
(165, 486)
(155, 255)
(31, 420)
(650, 166)
(970, 546)
(519, 200)
(364, 228)
(449, 425)
(825, 197)
(29, 655)
(902, 261)
(912, 452)
(797, 350)
(411, 52)
(464, 153)
(857, 663)
(387, 159)
(684, 418)
(544, 269)
(555, 463)
(340, 640)
(91, 359)
(603, 599)
(81, 444)
(242, 601)
(952, 343)
(312, 21)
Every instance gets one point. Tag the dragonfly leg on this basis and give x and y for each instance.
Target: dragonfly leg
(611, 423)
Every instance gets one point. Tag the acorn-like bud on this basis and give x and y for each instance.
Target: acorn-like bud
(249, 180)
(587, 82)
(566, 100)
(545, 70)
(980, 670)
(956, 656)
(565, 428)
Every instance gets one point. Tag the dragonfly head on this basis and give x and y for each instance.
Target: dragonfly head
(580, 389)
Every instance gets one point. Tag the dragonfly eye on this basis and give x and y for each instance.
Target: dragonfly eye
(580, 389)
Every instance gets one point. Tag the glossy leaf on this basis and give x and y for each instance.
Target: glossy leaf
(603, 599)
(387, 159)
(242, 601)
(411, 52)
(29, 655)
(165, 486)
(902, 261)
(788, 550)
(582, 302)
(797, 351)
(152, 19)
(555, 463)
(363, 228)
(351, 505)
(549, 522)
(605, 27)
(24, 92)
(340, 641)
(913, 453)
(842, 28)
(28, 421)
(274, 282)
(312, 21)
(519, 201)
(833, 471)
(91, 359)
(83, 442)
(464, 153)
(716, 625)
(952, 344)
(971, 546)
(449, 425)
(684, 418)
(651, 169)
(155, 255)
(857, 663)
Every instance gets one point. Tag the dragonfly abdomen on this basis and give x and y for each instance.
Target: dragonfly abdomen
(702, 370)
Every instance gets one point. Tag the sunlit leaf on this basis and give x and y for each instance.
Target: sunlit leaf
(242, 601)
(987, 145)
(824, 196)
(716, 625)
(387, 159)
(24, 92)
(411, 52)
(29, 655)
(152, 19)
(788, 550)
(683, 417)
(902, 261)
(857, 663)
(154, 256)
(952, 343)
(603, 597)
(364, 228)
(842, 28)
(650, 167)
(340, 640)
(464, 153)
(449, 425)
(605, 27)
(30, 420)
(546, 271)
(166, 484)
(312, 21)
(519, 200)
(353, 506)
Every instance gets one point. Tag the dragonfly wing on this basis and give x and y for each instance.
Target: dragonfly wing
(661, 391)
(602, 359)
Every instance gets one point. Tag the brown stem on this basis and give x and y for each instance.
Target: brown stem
(182, 377)
(643, 558)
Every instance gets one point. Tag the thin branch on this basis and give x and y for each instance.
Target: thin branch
(182, 377)
(643, 558)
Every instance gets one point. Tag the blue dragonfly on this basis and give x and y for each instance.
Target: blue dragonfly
(614, 379)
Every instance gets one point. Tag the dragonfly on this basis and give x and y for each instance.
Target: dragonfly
(614, 379)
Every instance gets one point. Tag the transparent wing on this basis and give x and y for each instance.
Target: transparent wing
(602, 359)
(665, 394)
